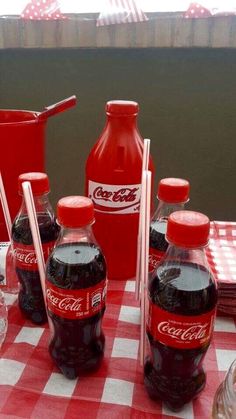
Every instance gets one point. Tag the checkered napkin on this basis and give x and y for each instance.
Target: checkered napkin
(221, 255)
(32, 387)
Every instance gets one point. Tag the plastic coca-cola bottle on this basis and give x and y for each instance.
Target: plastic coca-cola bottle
(113, 178)
(172, 193)
(76, 290)
(8, 277)
(182, 305)
(224, 403)
(30, 299)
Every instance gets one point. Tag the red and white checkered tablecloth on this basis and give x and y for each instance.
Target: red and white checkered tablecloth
(32, 387)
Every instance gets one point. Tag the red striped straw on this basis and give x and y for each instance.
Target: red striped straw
(5, 207)
(29, 201)
(145, 229)
(145, 162)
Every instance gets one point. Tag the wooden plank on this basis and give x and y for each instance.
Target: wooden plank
(163, 32)
(1, 34)
(87, 34)
(201, 32)
(69, 33)
(144, 34)
(105, 36)
(50, 33)
(215, 32)
(220, 35)
(233, 32)
(11, 33)
(31, 33)
(182, 35)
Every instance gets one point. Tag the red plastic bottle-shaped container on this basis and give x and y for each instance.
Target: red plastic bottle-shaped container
(76, 290)
(172, 193)
(113, 182)
(182, 305)
(31, 302)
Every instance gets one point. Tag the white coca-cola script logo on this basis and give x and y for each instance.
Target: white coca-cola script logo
(28, 258)
(122, 195)
(116, 199)
(194, 332)
(67, 303)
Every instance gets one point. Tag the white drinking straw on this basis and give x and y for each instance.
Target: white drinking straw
(147, 236)
(5, 207)
(145, 161)
(29, 201)
(141, 273)
(145, 225)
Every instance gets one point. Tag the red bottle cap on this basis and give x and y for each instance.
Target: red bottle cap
(188, 229)
(39, 182)
(122, 107)
(75, 211)
(173, 190)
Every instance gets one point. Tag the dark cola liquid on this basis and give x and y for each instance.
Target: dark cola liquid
(171, 374)
(77, 345)
(157, 243)
(30, 297)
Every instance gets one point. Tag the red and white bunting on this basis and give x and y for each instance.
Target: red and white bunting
(120, 11)
(42, 10)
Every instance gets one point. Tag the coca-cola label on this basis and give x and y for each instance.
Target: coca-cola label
(25, 255)
(154, 258)
(76, 304)
(115, 199)
(4, 252)
(183, 332)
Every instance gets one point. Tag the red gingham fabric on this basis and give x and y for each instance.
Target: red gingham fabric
(221, 255)
(32, 387)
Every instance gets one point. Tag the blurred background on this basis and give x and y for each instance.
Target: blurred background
(187, 101)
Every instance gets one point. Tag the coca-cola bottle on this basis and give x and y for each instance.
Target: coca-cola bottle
(113, 182)
(182, 305)
(30, 298)
(76, 290)
(224, 403)
(172, 194)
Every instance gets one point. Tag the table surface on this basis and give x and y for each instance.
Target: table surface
(32, 387)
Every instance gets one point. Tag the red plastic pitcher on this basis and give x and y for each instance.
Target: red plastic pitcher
(22, 136)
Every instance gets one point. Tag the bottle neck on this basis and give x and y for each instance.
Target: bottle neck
(41, 202)
(164, 209)
(196, 255)
(75, 235)
(121, 123)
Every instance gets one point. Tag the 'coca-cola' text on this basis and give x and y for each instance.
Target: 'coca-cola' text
(25, 255)
(78, 303)
(115, 198)
(180, 331)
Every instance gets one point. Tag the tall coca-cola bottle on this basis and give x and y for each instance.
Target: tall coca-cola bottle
(172, 193)
(182, 305)
(76, 290)
(31, 302)
(113, 182)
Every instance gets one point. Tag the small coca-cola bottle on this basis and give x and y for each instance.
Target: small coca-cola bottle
(30, 299)
(182, 305)
(76, 290)
(172, 193)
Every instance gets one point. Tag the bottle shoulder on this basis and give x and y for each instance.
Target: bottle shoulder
(184, 288)
(76, 265)
(48, 228)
